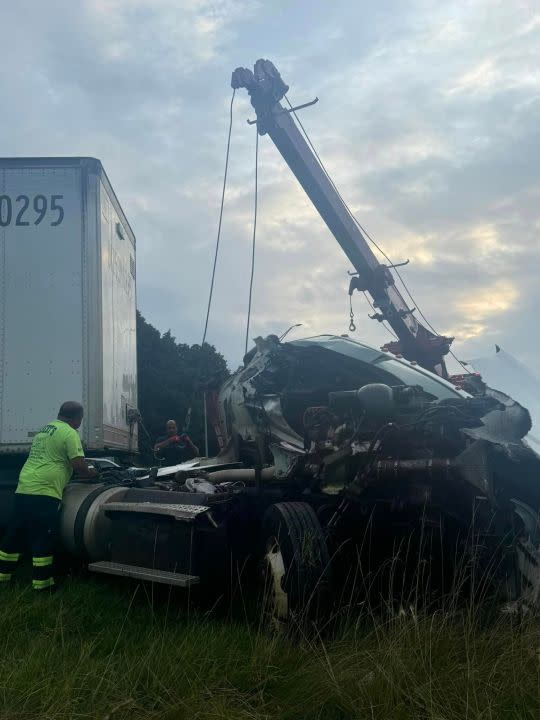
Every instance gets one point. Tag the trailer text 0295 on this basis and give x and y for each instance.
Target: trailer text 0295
(25, 210)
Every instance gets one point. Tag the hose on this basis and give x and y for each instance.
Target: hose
(244, 475)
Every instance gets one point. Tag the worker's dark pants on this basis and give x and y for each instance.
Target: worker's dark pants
(32, 527)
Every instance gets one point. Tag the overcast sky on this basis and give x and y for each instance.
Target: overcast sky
(428, 121)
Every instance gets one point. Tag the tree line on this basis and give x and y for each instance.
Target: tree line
(172, 377)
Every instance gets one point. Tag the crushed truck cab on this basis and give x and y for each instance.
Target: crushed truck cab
(342, 463)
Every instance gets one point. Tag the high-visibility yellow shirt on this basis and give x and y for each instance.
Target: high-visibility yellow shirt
(48, 468)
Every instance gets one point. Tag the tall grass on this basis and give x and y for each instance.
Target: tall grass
(100, 649)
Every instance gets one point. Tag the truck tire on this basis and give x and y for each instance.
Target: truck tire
(296, 566)
(528, 555)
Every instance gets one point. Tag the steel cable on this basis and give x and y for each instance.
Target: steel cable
(254, 235)
(372, 241)
(220, 219)
(187, 420)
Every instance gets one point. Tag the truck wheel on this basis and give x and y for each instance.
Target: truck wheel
(528, 555)
(296, 565)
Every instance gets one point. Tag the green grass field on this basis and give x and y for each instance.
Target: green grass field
(101, 649)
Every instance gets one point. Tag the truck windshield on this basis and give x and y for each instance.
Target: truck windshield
(414, 376)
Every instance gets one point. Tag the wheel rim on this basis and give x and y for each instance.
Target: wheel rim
(528, 555)
(274, 567)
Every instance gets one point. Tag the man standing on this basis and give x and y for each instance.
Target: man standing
(174, 448)
(56, 451)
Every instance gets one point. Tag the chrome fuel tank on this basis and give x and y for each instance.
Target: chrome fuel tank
(84, 527)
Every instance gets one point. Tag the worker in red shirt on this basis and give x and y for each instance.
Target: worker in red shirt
(174, 447)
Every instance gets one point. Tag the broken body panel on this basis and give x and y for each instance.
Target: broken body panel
(369, 435)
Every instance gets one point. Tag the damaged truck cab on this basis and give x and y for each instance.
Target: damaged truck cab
(345, 469)
(373, 440)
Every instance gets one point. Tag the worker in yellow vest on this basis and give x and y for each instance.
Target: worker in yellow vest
(55, 453)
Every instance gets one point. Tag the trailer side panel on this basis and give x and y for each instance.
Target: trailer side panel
(41, 298)
(118, 321)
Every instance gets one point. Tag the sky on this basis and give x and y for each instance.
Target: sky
(428, 122)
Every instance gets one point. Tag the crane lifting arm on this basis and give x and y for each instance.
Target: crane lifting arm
(415, 342)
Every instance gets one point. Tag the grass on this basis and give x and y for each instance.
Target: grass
(101, 649)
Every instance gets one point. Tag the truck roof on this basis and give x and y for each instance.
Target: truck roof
(91, 164)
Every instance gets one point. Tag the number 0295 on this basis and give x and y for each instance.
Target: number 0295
(24, 210)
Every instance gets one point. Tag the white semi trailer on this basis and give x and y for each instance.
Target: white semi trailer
(67, 306)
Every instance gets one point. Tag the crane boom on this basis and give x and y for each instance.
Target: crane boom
(416, 342)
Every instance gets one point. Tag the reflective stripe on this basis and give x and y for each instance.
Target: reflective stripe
(5, 577)
(42, 561)
(42, 584)
(9, 557)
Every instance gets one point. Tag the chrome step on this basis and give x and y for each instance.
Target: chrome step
(187, 513)
(142, 573)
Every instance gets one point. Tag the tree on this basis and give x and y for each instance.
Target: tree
(172, 377)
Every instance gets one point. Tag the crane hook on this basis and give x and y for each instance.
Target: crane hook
(352, 326)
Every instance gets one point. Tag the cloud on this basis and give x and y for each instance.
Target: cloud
(486, 302)
(481, 78)
(182, 37)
